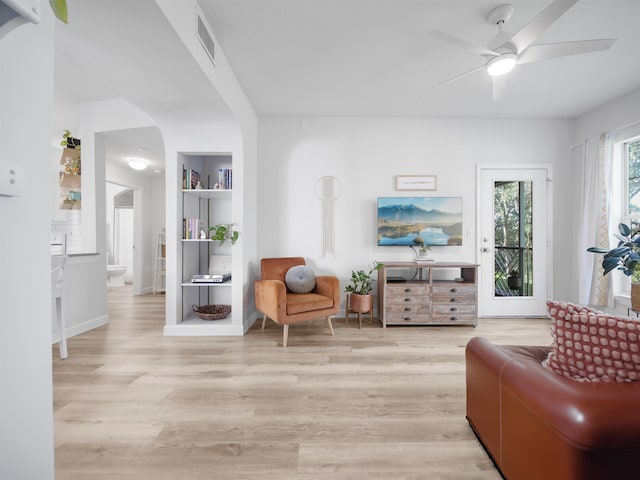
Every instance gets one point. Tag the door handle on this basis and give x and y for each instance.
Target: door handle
(486, 250)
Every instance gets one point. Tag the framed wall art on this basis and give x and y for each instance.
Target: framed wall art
(416, 182)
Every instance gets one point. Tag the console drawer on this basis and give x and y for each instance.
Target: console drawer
(453, 319)
(454, 294)
(400, 319)
(454, 309)
(454, 289)
(407, 289)
(408, 308)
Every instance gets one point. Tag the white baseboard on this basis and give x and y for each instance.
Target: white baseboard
(85, 326)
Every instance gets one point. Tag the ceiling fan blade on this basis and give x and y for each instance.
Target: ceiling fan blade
(451, 80)
(499, 85)
(531, 31)
(460, 43)
(535, 53)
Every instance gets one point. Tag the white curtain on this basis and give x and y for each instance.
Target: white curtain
(595, 220)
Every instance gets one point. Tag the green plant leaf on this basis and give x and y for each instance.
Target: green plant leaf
(59, 8)
(609, 263)
(624, 229)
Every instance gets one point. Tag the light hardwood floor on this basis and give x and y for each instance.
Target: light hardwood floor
(376, 404)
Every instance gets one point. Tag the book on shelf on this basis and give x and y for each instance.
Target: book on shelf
(190, 179)
(225, 178)
(191, 228)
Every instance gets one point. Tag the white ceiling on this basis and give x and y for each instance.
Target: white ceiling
(144, 143)
(364, 57)
(336, 57)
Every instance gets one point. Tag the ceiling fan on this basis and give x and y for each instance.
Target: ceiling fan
(505, 50)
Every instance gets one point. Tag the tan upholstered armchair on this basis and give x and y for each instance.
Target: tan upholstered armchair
(284, 307)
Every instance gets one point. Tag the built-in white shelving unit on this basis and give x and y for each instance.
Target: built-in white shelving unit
(200, 208)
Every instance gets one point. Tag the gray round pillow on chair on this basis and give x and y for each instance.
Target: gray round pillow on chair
(300, 279)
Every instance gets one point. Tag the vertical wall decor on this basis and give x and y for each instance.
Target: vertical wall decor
(328, 190)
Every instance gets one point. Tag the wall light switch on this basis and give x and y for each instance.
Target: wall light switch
(11, 180)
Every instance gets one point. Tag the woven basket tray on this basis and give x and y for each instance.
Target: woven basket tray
(211, 312)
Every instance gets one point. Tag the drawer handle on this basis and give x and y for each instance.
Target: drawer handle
(453, 290)
(407, 290)
(407, 309)
(407, 299)
(453, 319)
(407, 319)
(453, 300)
(453, 309)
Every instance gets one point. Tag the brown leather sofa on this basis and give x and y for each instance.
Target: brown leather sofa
(538, 425)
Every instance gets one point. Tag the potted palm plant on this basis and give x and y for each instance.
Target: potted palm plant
(626, 258)
(360, 287)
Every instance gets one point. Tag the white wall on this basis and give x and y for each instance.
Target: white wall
(366, 154)
(613, 116)
(26, 406)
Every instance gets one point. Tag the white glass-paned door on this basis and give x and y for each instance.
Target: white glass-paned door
(513, 242)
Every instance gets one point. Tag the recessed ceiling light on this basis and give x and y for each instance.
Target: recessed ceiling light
(138, 163)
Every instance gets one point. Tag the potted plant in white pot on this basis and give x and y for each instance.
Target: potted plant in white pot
(420, 250)
(223, 232)
(359, 289)
(626, 258)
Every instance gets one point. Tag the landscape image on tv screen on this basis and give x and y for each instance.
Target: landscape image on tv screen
(436, 220)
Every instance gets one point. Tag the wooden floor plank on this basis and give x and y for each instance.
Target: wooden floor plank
(367, 403)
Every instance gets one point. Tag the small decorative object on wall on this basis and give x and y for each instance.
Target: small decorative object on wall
(416, 182)
(436, 221)
(328, 190)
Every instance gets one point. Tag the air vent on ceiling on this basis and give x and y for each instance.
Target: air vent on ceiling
(204, 35)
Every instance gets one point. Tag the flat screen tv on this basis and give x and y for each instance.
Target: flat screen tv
(437, 220)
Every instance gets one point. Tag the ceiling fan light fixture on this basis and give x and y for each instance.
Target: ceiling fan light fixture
(502, 64)
(138, 163)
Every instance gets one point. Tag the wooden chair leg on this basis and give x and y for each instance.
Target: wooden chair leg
(330, 325)
(264, 319)
(285, 334)
(346, 311)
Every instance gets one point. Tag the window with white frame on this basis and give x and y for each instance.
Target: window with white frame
(630, 159)
(631, 162)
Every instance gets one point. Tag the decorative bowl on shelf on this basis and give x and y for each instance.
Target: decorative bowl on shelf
(211, 312)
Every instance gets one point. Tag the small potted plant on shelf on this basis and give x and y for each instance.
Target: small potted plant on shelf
(359, 289)
(69, 141)
(223, 232)
(626, 258)
(420, 249)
